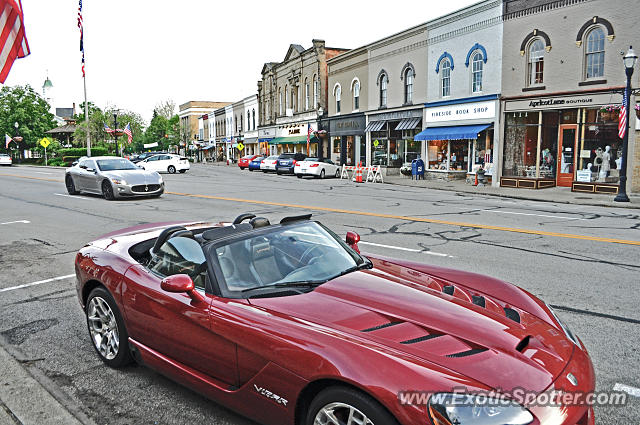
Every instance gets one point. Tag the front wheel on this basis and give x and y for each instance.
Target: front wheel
(171, 169)
(107, 191)
(299, 176)
(340, 405)
(106, 328)
(71, 187)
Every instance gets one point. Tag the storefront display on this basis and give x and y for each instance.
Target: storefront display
(392, 138)
(347, 139)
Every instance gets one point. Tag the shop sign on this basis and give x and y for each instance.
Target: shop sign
(396, 116)
(294, 131)
(562, 102)
(347, 126)
(265, 133)
(583, 176)
(464, 111)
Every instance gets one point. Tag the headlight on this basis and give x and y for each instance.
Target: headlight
(564, 327)
(119, 181)
(465, 409)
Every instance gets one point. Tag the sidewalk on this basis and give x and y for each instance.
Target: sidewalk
(28, 397)
(562, 195)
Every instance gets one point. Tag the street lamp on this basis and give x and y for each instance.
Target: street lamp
(629, 60)
(17, 138)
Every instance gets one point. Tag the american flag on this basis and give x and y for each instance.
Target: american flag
(80, 25)
(107, 129)
(127, 131)
(622, 118)
(13, 42)
(309, 131)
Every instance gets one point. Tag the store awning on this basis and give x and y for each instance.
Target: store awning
(458, 132)
(374, 126)
(265, 139)
(408, 124)
(293, 140)
(250, 140)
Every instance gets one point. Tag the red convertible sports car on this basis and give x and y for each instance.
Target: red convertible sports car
(289, 325)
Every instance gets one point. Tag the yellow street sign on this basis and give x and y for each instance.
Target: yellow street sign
(240, 147)
(376, 143)
(44, 142)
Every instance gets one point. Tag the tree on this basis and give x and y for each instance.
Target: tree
(174, 131)
(23, 105)
(166, 109)
(99, 137)
(157, 130)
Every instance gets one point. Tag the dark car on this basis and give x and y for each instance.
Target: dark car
(254, 164)
(143, 156)
(287, 161)
(288, 324)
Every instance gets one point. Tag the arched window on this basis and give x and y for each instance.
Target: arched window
(408, 85)
(280, 102)
(383, 90)
(306, 94)
(445, 77)
(535, 69)
(248, 120)
(316, 92)
(477, 65)
(337, 92)
(356, 95)
(594, 53)
(286, 98)
(293, 98)
(253, 118)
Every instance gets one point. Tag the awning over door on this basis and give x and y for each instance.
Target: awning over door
(408, 124)
(375, 126)
(458, 132)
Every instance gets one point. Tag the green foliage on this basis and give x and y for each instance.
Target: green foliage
(99, 137)
(58, 162)
(158, 128)
(165, 109)
(78, 152)
(23, 105)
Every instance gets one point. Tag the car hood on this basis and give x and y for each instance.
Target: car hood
(439, 322)
(134, 177)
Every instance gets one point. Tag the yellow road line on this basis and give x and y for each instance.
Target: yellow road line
(391, 216)
(419, 219)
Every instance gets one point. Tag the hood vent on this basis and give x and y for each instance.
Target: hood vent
(479, 301)
(523, 344)
(376, 328)
(467, 353)
(512, 314)
(449, 289)
(422, 338)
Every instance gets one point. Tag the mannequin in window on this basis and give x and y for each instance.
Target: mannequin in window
(606, 165)
(619, 163)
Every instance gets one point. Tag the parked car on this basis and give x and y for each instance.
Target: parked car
(317, 168)
(269, 163)
(112, 177)
(288, 324)
(144, 155)
(287, 162)
(165, 163)
(5, 159)
(245, 160)
(255, 163)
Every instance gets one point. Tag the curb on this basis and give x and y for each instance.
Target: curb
(42, 392)
(51, 167)
(526, 198)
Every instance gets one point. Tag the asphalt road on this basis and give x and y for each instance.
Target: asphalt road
(584, 260)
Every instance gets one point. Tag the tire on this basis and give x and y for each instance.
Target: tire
(71, 187)
(337, 175)
(278, 172)
(299, 176)
(171, 169)
(183, 171)
(322, 174)
(339, 400)
(107, 191)
(250, 170)
(104, 320)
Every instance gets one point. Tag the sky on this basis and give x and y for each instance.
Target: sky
(142, 52)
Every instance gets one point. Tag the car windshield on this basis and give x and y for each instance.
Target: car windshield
(291, 256)
(116, 164)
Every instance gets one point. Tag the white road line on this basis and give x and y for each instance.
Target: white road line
(71, 196)
(536, 215)
(26, 285)
(437, 254)
(627, 389)
(42, 172)
(17, 221)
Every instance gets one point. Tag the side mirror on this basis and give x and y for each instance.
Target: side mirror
(352, 240)
(84, 167)
(91, 170)
(181, 283)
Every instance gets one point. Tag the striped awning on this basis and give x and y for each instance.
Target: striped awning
(375, 126)
(408, 124)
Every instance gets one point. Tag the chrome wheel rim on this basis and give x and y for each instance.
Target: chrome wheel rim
(341, 414)
(103, 328)
(69, 183)
(108, 193)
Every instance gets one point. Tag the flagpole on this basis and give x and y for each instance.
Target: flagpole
(86, 116)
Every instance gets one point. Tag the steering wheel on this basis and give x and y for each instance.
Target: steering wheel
(307, 253)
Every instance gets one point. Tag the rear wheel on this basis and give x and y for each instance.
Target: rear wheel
(344, 406)
(322, 174)
(183, 171)
(107, 191)
(71, 187)
(337, 174)
(171, 169)
(299, 176)
(107, 329)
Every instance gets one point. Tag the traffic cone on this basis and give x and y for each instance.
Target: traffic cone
(476, 183)
(359, 173)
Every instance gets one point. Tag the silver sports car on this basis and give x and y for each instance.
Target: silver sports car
(112, 177)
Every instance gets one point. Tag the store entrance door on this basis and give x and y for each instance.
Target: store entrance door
(566, 154)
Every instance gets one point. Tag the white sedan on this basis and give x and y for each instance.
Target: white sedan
(317, 168)
(5, 159)
(165, 163)
(269, 163)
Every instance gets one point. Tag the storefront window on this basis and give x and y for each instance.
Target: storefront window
(379, 148)
(413, 149)
(335, 149)
(520, 144)
(363, 149)
(549, 143)
(601, 148)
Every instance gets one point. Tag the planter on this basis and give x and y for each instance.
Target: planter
(638, 113)
(605, 115)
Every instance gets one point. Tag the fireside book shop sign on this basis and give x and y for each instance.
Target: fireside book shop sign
(466, 111)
